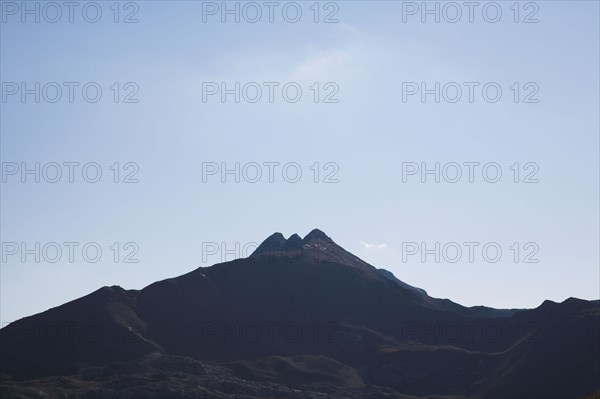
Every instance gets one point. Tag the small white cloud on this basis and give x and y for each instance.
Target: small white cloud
(369, 245)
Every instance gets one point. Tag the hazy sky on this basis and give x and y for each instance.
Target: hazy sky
(368, 125)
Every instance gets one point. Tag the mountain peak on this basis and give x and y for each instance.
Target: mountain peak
(316, 234)
(273, 243)
(294, 239)
(276, 242)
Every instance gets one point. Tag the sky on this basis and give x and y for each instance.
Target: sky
(461, 154)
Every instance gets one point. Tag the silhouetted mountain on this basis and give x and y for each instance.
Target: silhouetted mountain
(299, 318)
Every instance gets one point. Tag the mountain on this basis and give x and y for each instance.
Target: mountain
(299, 318)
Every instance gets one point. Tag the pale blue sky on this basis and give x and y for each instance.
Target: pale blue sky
(368, 134)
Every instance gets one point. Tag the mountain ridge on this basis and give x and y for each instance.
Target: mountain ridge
(273, 317)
